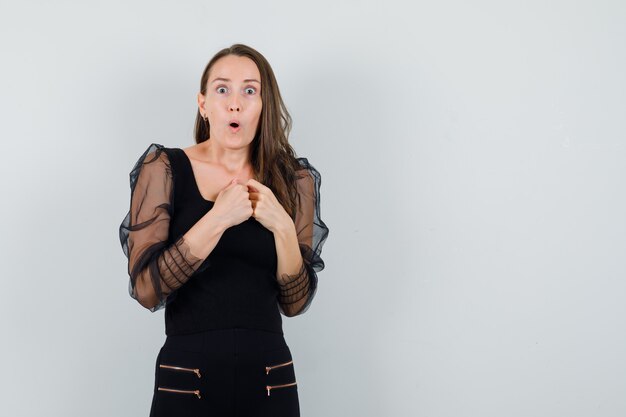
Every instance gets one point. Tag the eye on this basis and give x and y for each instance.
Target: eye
(251, 88)
(219, 88)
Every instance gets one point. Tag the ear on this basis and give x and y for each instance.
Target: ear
(201, 101)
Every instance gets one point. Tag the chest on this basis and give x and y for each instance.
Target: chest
(210, 179)
(248, 242)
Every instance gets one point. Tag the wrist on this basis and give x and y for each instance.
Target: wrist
(217, 223)
(286, 228)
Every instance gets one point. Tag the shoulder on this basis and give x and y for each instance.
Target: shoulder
(308, 179)
(157, 152)
(191, 151)
(307, 171)
(153, 152)
(155, 157)
(152, 166)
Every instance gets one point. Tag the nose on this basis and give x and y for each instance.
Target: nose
(234, 106)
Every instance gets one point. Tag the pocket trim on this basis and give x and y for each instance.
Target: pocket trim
(270, 387)
(183, 391)
(269, 368)
(179, 368)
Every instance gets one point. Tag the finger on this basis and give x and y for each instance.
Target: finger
(231, 184)
(256, 184)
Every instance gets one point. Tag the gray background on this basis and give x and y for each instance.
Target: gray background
(472, 158)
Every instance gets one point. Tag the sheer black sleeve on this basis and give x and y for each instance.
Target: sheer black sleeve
(312, 233)
(156, 265)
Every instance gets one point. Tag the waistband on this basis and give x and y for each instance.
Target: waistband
(234, 340)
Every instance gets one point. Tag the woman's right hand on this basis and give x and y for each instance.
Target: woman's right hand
(233, 204)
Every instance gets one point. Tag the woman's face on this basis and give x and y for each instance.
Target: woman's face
(233, 92)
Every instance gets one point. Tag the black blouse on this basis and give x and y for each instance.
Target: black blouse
(236, 285)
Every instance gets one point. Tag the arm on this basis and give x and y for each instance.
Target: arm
(291, 273)
(156, 266)
(177, 263)
(299, 246)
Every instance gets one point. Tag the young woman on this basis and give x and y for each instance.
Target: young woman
(226, 235)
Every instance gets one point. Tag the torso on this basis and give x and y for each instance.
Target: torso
(212, 178)
(235, 286)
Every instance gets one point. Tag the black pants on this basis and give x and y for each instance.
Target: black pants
(225, 373)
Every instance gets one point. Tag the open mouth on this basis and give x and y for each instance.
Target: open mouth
(234, 127)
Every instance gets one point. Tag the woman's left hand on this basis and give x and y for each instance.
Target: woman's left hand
(266, 208)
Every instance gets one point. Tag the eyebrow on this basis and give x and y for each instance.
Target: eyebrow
(247, 80)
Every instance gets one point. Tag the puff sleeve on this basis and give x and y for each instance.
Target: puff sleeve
(312, 233)
(157, 267)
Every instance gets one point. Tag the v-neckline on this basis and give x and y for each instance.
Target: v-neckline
(193, 178)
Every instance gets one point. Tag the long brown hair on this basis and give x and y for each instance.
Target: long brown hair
(273, 159)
